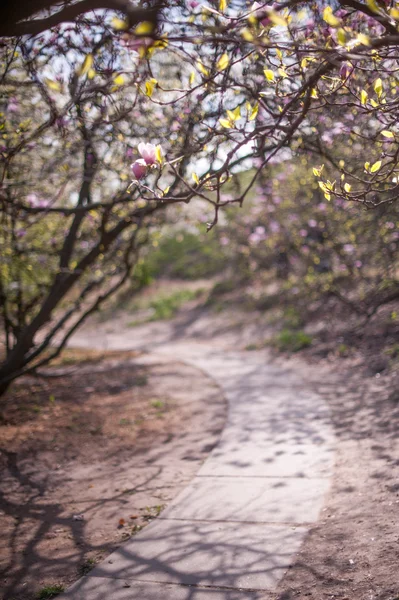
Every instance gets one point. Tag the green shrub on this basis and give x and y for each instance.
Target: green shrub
(167, 306)
(186, 256)
(289, 340)
(50, 591)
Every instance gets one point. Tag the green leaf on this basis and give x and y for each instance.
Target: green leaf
(375, 167)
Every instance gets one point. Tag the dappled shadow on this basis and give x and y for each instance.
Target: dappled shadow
(356, 533)
(61, 506)
(239, 523)
(286, 431)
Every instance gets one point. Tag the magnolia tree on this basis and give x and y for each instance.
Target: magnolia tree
(289, 231)
(110, 116)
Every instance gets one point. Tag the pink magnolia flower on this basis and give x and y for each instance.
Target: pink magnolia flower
(345, 70)
(137, 44)
(139, 168)
(13, 105)
(260, 13)
(148, 152)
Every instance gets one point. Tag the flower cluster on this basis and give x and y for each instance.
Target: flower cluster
(151, 156)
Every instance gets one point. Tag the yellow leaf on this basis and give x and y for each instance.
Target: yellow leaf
(144, 28)
(282, 72)
(91, 74)
(329, 18)
(222, 5)
(363, 39)
(372, 4)
(341, 36)
(394, 12)
(367, 166)
(53, 85)
(119, 24)
(195, 177)
(279, 53)
(166, 190)
(202, 69)
(314, 93)
(317, 171)
(161, 43)
(330, 184)
(158, 154)
(149, 87)
(119, 79)
(376, 167)
(322, 186)
(192, 77)
(276, 18)
(378, 88)
(304, 63)
(387, 134)
(86, 65)
(223, 62)
(373, 103)
(225, 123)
(269, 74)
(253, 113)
(363, 97)
(247, 35)
(347, 187)
(237, 113)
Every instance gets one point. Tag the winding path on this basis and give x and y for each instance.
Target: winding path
(234, 531)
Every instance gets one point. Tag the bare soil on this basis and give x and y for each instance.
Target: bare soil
(352, 552)
(89, 457)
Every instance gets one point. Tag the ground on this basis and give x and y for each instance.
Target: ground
(351, 553)
(90, 457)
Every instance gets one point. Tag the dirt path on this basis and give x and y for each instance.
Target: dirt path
(90, 458)
(352, 550)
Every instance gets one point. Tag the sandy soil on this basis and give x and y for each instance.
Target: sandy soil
(89, 458)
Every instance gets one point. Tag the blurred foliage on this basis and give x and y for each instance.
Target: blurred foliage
(166, 307)
(291, 340)
(162, 306)
(185, 255)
